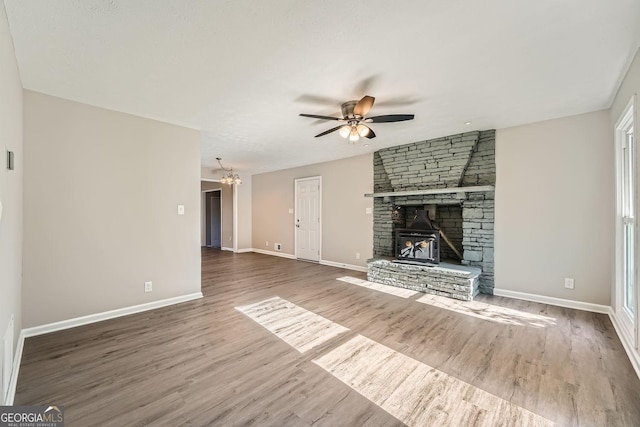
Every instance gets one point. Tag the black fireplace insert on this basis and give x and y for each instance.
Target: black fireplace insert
(418, 245)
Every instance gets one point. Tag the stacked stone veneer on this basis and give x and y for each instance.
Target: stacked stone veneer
(444, 280)
(461, 160)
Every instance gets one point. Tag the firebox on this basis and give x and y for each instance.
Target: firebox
(420, 242)
(418, 246)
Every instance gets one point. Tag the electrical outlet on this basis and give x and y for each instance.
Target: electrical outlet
(267, 244)
(569, 283)
(277, 246)
(357, 255)
(148, 286)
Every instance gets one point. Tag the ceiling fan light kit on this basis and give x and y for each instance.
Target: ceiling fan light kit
(354, 113)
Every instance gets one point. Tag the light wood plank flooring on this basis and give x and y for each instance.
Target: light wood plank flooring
(205, 363)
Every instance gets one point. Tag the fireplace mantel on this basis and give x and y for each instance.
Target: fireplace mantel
(450, 190)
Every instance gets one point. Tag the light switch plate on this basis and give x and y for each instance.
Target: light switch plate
(180, 209)
(10, 160)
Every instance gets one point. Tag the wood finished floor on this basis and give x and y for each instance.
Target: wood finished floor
(205, 363)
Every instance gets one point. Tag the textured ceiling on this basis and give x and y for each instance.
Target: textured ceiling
(241, 71)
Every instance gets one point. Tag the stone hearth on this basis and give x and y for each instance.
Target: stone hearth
(448, 280)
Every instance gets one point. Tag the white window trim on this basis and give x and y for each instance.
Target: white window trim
(628, 327)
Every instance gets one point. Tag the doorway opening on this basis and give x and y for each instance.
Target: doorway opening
(217, 211)
(213, 218)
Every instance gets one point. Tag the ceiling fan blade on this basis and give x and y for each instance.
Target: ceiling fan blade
(315, 116)
(329, 131)
(390, 118)
(371, 134)
(363, 106)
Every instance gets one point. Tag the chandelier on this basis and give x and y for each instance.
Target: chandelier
(229, 177)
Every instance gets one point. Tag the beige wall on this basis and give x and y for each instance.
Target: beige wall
(243, 227)
(101, 190)
(227, 212)
(10, 189)
(346, 228)
(554, 198)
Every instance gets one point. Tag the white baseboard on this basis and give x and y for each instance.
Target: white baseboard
(273, 253)
(342, 265)
(323, 262)
(226, 249)
(244, 251)
(98, 317)
(79, 321)
(632, 354)
(578, 305)
(13, 381)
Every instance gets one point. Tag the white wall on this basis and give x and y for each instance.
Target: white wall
(11, 184)
(101, 191)
(346, 228)
(554, 207)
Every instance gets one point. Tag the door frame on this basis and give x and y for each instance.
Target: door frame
(295, 214)
(203, 216)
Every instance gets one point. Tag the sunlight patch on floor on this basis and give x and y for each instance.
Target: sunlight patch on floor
(417, 394)
(493, 313)
(411, 391)
(300, 328)
(387, 289)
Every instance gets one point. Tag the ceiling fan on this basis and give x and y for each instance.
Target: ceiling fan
(354, 115)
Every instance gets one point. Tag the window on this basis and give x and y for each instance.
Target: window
(628, 221)
(626, 283)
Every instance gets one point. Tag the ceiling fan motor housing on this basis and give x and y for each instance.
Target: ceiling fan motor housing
(347, 109)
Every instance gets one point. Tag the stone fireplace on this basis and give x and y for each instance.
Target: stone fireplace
(453, 178)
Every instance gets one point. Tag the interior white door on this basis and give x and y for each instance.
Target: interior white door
(307, 221)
